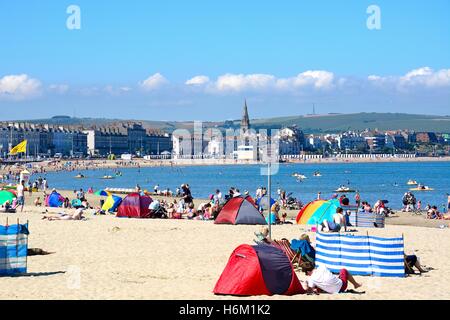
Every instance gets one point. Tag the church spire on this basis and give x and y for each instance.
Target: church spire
(245, 122)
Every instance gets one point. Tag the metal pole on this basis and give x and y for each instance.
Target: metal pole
(268, 198)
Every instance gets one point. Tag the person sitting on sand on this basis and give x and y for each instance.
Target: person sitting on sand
(274, 217)
(322, 280)
(77, 215)
(263, 236)
(283, 219)
(205, 210)
(379, 207)
(190, 212)
(412, 261)
(66, 203)
(433, 213)
(86, 204)
(366, 207)
(37, 202)
(171, 210)
(336, 224)
(8, 207)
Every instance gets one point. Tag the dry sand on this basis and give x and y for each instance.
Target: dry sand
(106, 257)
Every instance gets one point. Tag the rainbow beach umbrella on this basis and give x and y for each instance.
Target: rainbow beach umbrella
(102, 193)
(317, 211)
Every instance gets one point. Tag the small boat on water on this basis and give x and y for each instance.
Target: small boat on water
(317, 174)
(299, 176)
(120, 190)
(80, 176)
(421, 188)
(344, 189)
(412, 183)
(107, 177)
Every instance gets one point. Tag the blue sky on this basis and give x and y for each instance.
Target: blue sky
(186, 60)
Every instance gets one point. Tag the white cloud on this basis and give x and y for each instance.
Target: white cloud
(240, 82)
(318, 79)
(153, 82)
(58, 88)
(197, 80)
(116, 91)
(427, 77)
(19, 87)
(422, 77)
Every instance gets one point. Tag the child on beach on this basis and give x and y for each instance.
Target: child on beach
(190, 212)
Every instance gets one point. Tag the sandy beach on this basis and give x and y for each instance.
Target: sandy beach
(106, 257)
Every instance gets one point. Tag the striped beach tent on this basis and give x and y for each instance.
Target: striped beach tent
(361, 255)
(13, 249)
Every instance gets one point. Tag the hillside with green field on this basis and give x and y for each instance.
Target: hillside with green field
(329, 123)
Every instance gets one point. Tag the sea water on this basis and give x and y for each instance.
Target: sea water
(374, 181)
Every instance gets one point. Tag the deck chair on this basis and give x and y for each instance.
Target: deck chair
(293, 256)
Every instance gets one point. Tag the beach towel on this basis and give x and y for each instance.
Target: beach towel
(304, 247)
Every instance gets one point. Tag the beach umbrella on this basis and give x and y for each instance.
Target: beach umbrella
(317, 211)
(6, 195)
(111, 203)
(103, 193)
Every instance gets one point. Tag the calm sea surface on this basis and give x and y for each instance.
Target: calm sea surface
(373, 180)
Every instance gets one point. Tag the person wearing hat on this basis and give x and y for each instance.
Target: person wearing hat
(263, 235)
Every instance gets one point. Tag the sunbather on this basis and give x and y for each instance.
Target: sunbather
(77, 215)
(322, 280)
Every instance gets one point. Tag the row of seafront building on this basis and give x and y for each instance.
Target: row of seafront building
(48, 140)
(133, 138)
(292, 143)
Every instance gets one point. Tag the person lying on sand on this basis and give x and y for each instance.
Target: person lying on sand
(322, 280)
(77, 215)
